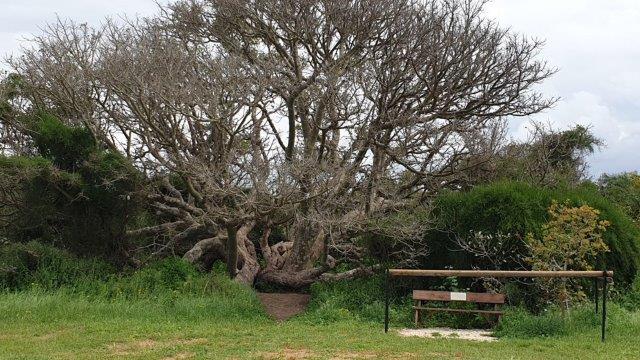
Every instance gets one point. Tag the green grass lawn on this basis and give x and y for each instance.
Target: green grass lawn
(60, 326)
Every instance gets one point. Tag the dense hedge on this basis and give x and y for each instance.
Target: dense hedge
(624, 190)
(74, 194)
(515, 209)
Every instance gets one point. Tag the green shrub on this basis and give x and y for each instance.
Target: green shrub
(35, 265)
(166, 278)
(519, 323)
(224, 301)
(624, 190)
(630, 299)
(358, 299)
(513, 210)
(74, 195)
(66, 146)
(171, 283)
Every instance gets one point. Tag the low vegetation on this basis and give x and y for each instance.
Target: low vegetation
(229, 323)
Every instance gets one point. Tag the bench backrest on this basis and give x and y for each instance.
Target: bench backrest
(483, 298)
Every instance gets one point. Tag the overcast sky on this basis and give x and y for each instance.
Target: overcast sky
(594, 43)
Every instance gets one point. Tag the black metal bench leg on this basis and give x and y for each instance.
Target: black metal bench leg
(595, 293)
(604, 307)
(386, 300)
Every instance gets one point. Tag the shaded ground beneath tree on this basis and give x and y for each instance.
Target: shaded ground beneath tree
(282, 306)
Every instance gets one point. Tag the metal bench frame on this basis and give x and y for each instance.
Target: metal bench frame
(605, 277)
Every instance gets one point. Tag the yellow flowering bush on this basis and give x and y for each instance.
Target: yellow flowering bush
(571, 240)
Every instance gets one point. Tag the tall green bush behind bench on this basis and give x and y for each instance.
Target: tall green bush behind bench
(515, 209)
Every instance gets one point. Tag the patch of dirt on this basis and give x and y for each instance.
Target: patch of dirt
(127, 349)
(146, 344)
(282, 306)
(354, 356)
(57, 333)
(297, 354)
(120, 350)
(402, 356)
(288, 354)
(440, 333)
(181, 356)
(49, 336)
(194, 341)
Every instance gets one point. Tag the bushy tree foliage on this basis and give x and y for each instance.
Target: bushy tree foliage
(624, 190)
(500, 216)
(547, 158)
(13, 138)
(571, 240)
(320, 117)
(72, 194)
(67, 147)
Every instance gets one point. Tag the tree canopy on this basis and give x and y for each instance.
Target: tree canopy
(319, 117)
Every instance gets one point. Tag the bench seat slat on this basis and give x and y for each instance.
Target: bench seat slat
(493, 312)
(484, 298)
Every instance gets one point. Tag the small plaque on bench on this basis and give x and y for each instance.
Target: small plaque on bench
(458, 296)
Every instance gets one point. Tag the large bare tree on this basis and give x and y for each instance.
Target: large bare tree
(322, 117)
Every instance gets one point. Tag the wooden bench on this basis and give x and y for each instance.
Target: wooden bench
(421, 296)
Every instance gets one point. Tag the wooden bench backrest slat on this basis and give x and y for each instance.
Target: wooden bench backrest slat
(484, 298)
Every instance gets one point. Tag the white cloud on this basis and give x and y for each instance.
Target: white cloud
(594, 44)
(18, 19)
